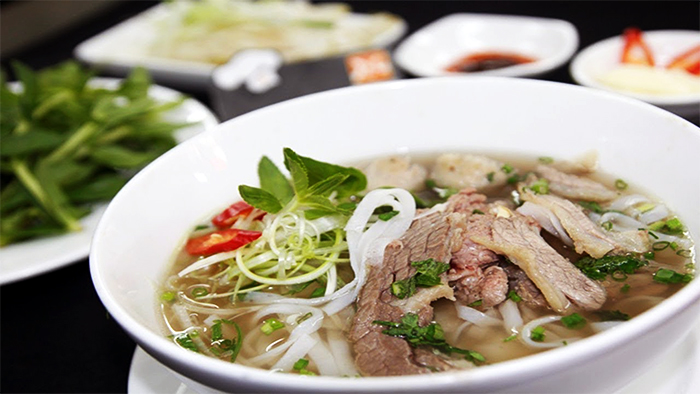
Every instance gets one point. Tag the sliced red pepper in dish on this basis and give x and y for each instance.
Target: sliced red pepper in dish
(688, 61)
(232, 213)
(636, 50)
(220, 241)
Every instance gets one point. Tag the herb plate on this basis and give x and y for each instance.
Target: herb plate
(30, 258)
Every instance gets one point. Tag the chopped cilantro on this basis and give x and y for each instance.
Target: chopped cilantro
(431, 335)
(427, 275)
(185, 341)
(598, 269)
(606, 315)
(387, 215)
(592, 206)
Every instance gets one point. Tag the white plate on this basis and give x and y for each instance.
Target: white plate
(26, 259)
(678, 372)
(431, 49)
(603, 56)
(126, 45)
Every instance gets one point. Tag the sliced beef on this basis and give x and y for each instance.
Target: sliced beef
(587, 236)
(518, 237)
(523, 286)
(472, 274)
(461, 171)
(573, 186)
(430, 236)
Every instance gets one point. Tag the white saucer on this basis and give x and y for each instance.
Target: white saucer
(678, 372)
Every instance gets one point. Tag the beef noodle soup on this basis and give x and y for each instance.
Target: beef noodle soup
(451, 261)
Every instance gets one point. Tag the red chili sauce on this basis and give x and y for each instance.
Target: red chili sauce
(484, 61)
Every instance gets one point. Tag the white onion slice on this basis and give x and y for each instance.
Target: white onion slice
(624, 202)
(659, 212)
(547, 219)
(476, 317)
(512, 320)
(323, 358)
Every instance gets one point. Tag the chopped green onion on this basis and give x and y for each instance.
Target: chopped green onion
(541, 186)
(304, 317)
(607, 226)
(684, 253)
(649, 255)
(318, 292)
(507, 168)
(620, 184)
(300, 364)
(668, 276)
(510, 338)
(271, 325)
(167, 296)
(477, 212)
(476, 303)
(546, 160)
(625, 288)
(537, 334)
(592, 206)
(574, 321)
(490, 176)
(660, 245)
(199, 292)
(616, 315)
(514, 296)
(618, 276)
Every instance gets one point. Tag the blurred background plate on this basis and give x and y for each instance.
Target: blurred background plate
(128, 44)
(430, 50)
(593, 62)
(33, 257)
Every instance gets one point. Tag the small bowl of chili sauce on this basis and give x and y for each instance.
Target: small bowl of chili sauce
(484, 44)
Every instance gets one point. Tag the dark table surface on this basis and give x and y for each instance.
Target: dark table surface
(56, 337)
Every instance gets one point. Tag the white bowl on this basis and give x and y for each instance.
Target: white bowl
(598, 59)
(430, 50)
(148, 219)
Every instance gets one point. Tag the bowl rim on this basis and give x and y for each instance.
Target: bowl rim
(539, 66)
(522, 369)
(583, 78)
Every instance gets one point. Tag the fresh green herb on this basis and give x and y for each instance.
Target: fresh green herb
(199, 292)
(592, 206)
(476, 303)
(649, 255)
(67, 144)
(607, 226)
(185, 341)
(537, 334)
(387, 215)
(626, 288)
(513, 179)
(271, 325)
(514, 296)
(477, 212)
(546, 160)
(431, 335)
(427, 275)
(620, 184)
(606, 315)
(490, 175)
(220, 345)
(541, 186)
(167, 296)
(312, 183)
(507, 168)
(668, 276)
(574, 321)
(598, 269)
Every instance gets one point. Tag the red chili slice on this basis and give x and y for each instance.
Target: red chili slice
(688, 61)
(232, 213)
(635, 50)
(220, 241)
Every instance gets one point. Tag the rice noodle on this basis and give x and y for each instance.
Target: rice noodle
(323, 358)
(621, 222)
(655, 214)
(297, 350)
(512, 320)
(338, 345)
(605, 325)
(531, 325)
(476, 317)
(628, 201)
